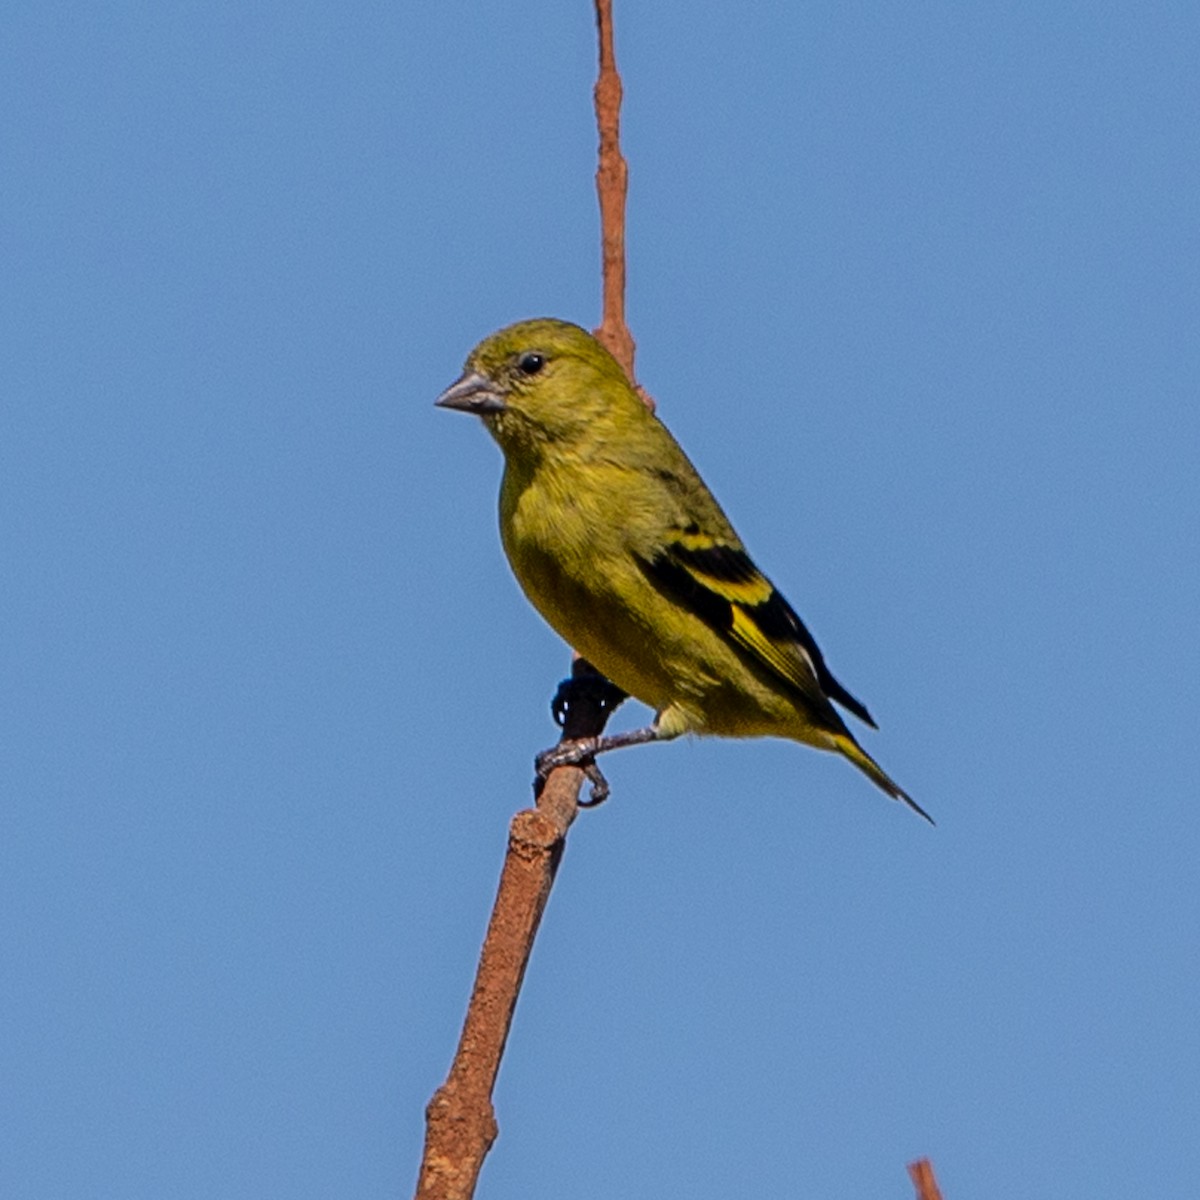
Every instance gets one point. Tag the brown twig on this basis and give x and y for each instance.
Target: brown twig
(612, 186)
(921, 1173)
(460, 1120)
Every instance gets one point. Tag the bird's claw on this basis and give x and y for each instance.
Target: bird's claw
(577, 752)
(599, 789)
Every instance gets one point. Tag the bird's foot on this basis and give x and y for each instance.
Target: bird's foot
(575, 752)
(599, 789)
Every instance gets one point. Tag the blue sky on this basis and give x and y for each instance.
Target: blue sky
(917, 288)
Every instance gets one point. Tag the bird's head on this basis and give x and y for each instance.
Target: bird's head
(542, 382)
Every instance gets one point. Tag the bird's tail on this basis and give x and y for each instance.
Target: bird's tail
(845, 745)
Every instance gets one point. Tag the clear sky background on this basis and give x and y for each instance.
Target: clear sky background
(917, 288)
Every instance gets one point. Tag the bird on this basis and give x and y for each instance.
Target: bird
(618, 543)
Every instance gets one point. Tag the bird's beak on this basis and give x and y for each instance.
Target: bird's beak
(473, 393)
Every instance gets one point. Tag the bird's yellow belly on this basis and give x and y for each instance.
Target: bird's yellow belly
(646, 646)
(617, 640)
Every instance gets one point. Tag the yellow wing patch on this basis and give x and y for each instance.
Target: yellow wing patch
(786, 659)
(721, 585)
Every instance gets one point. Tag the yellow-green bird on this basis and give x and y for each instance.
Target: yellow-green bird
(621, 547)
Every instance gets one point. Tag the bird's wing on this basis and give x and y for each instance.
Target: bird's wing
(718, 582)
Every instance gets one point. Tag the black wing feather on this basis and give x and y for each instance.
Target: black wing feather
(774, 616)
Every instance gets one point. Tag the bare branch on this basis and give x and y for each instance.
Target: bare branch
(612, 186)
(460, 1120)
(921, 1173)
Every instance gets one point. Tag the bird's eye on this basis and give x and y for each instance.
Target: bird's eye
(531, 364)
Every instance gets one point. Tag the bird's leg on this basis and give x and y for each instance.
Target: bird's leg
(581, 706)
(582, 751)
(583, 698)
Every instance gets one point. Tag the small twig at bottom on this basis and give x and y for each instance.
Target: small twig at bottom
(921, 1173)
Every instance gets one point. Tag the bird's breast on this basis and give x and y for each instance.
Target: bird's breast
(570, 558)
